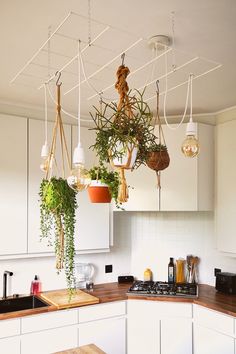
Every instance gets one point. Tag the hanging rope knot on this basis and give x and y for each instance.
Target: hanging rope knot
(121, 85)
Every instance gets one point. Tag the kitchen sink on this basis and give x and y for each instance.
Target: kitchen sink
(21, 303)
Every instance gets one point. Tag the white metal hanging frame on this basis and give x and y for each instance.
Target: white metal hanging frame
(92, 42)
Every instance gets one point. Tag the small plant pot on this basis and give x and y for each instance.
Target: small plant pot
(128, 158)
(158, 160)
(99, 192)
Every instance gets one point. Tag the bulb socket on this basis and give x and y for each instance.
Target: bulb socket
(78, 156)
(191, 128)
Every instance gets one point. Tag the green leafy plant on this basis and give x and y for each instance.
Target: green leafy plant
(111, 178)
(157, 147)
(57, 218)
(130, 124)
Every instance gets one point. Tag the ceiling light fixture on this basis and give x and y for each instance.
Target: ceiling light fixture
(190, 146)
(79, 178)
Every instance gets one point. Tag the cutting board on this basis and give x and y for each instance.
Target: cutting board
(85, 349)
(60, 298)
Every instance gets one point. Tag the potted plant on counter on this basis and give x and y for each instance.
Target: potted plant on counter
(104, 185)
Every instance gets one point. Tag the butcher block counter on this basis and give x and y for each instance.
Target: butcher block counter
(108, 292)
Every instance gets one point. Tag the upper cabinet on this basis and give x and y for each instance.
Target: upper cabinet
(226, 187)
(13, 185)
(186, 185)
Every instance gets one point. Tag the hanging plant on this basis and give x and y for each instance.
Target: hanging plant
(158, 158)
(124, 131)
(57, 218)
(58, 204)
(104, 185)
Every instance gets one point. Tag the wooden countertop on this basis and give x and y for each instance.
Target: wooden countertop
(85, 349)
(108, 292)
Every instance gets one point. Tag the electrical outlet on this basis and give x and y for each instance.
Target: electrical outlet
(108, 268)
(216, 270)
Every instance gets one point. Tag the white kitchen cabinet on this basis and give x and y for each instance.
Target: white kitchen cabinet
(159, 327)
(105, 326)
(49, 341)
(226, 187)
(92, 230)
(13, 185)
(186, 185)
(108, 334)
(36, 140)
(10, 345)
(213, 332)
(176, 336)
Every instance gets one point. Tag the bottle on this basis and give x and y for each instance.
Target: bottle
(147, 275)
(36, 286)
(171, 271)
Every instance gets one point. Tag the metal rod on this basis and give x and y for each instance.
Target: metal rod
(132, 72)
(38, 51)
(185, 82)
(75, 57)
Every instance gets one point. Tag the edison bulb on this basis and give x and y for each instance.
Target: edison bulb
(79, 178)
(190, 146)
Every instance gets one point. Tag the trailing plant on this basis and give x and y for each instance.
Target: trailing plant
(111, 178)
(57, 217)
(129, 124)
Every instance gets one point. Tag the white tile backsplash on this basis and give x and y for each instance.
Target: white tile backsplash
(141, 240)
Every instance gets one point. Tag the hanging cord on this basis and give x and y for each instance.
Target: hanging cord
(165, 98)
(45, 114)
(89, 22)
(173, 40)
(191, 98)
(49, 51)
(79, 88)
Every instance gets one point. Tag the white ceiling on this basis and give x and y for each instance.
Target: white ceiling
(205, 28)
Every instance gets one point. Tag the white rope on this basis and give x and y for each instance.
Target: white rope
(165, 97)
(45, 114)
(191, 98)
(173, 40)
(79, 88)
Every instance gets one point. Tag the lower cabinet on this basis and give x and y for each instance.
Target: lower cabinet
(214, 332)
(10, 345)
(159, 327)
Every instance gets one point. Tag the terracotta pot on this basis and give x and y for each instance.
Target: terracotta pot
(99, 192)
(158, 160)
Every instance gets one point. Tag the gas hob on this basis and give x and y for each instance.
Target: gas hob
(163, 289)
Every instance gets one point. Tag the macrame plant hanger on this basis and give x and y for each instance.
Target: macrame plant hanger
(159, 160)
(125, 106)
(58, 129)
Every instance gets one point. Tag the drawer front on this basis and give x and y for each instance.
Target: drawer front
(10, 345)
(9, 328)
(171, 309)
(49, 341)
(214, 320)
(97, 312)
(49, 320)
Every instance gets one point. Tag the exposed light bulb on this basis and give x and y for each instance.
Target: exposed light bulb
(79, 179)
(190, 146)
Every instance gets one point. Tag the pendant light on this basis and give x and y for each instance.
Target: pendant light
(190, 146)
(79, 178)
(44, 150)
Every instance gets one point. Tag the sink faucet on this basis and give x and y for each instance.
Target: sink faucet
(5, 274)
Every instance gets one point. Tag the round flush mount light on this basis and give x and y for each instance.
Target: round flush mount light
(159, 42)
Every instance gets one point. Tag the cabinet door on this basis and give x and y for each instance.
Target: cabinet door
(92, 225)
(226, 187)
(208, 341)
(49, 341)
(13, 185)
(143, 335)
(109, 335)
(10, 345)
(176, 336)
(36, 140)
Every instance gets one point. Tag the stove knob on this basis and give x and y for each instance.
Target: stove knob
(165, 292)
(158, 292)
(172, 292)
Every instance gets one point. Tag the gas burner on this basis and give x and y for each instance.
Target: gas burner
(158, 288)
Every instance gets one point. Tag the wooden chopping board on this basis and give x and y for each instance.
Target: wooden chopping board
(60, 298)
(85, 349)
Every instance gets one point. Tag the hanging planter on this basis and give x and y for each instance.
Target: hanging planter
(58, 205)
(158, 158)
(104, 186)
(124, 131)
